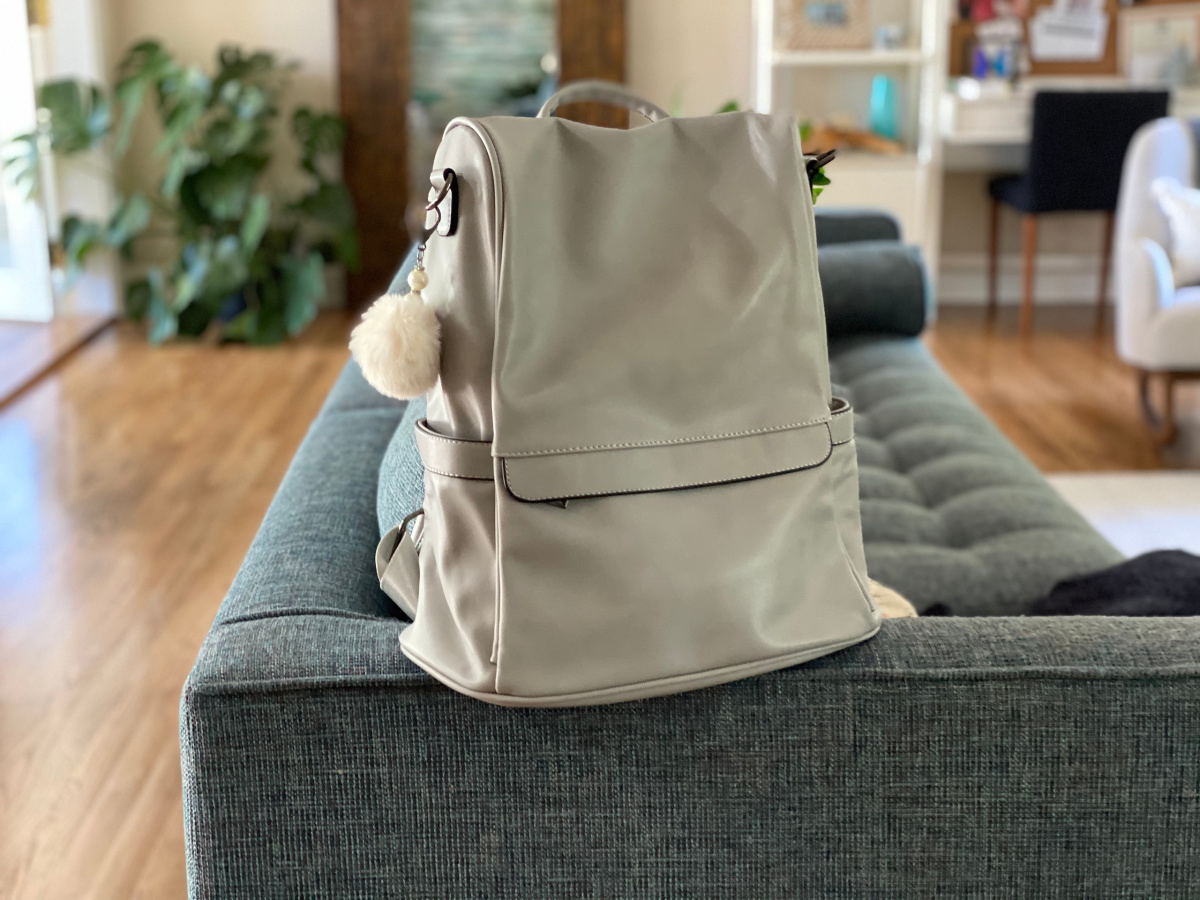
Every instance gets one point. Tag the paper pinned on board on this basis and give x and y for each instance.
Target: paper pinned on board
(1069, 30)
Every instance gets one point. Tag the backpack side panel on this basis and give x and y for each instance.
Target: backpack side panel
(456, 610)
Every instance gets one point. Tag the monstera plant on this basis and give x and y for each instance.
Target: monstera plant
(247, 262)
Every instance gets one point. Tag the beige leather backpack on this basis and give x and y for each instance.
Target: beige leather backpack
(636, 479)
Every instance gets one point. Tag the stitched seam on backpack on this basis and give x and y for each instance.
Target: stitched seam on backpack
(688, 440)
(429, 468)
(430, 433)
(756, 476)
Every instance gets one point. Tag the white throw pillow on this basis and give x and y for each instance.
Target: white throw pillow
(1181, 206)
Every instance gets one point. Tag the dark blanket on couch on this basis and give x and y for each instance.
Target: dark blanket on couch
(1162, 583)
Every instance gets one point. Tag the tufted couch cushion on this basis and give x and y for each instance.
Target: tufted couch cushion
(951, 512)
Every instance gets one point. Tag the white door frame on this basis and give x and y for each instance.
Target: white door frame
(26, 293)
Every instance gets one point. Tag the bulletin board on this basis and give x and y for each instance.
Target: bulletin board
(962, 39)
(1106, 65)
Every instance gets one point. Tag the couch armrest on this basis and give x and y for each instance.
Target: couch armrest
(840, 225)
(1146, 284)
(875, 287)
(314, 552)
(942, 758)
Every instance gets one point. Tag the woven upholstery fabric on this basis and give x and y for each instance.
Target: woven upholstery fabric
(840, 225)
(956, 758)
(873, 287)
(401, 475)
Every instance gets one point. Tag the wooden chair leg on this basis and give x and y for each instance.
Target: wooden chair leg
(1163, 428)
(1029, 227)
(1170, 429)
(993, 260)
(1105, 264)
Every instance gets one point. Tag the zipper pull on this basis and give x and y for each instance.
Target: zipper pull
(816, 163)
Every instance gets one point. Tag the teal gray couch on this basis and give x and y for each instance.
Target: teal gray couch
(977, 756)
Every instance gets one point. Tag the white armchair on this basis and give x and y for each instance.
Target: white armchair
(1157, 325)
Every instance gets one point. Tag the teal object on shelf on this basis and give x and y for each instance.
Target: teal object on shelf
(883, 107)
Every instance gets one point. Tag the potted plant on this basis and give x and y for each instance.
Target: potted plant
(247, 263)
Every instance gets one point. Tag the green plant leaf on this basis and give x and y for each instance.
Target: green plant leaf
(346, 248)
(144, 66)
(129, 219)
(320, 135)
(254, 225)
(228, 136)
(233, 64)
(330, 204)
(318, 132)
(137, 299)
(195, 319)
(730, 106)
(22, 164)
(241, 327)
(270, 326)
(223, 191)
(184, 97)
(303, 286)
(266, 298)
(163, 324)
(79, 238)
(820, 178)
(191, 274)
(228, 271)
(79, 114)
(183, 161)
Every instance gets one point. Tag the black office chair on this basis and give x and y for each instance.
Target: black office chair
(1076, 149)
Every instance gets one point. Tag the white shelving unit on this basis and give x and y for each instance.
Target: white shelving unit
(815, 84)
(870, 58)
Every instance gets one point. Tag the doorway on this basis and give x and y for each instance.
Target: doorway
(26, 294)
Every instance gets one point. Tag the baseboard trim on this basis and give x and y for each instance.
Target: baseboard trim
(1061, 278)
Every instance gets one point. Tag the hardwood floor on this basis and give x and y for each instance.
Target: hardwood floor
(29, 350)
(1063, 397)
(132, 481)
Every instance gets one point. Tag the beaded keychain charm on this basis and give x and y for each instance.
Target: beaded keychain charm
(398, 343)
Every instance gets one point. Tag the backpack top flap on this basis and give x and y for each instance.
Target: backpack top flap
(656, 286)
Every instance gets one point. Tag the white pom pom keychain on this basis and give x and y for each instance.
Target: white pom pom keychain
(398, 344)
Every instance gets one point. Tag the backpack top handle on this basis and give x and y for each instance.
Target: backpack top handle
(595, 90)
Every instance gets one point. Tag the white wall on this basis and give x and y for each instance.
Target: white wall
(691, 56)
(300, 30)
(304, 31)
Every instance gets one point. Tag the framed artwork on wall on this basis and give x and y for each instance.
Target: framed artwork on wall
(822, 25)
(1160, 44)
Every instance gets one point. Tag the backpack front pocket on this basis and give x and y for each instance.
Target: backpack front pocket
(650, 569)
